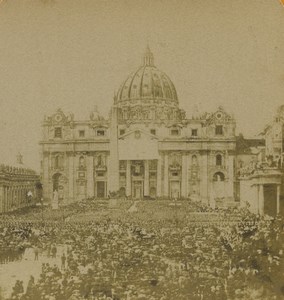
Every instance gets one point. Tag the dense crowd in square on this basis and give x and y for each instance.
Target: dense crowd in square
(189, 253)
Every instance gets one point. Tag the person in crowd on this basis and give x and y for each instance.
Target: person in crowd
(63, 261)
(36, 252)
(53, 251)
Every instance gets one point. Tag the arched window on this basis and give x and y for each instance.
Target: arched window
(219, 160)
(219, 176)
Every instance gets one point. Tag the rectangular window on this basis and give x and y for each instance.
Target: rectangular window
(121, 131)
(219, 129)
(100, 174)
(81, 174)
(81, 133)
(122, 175)
(153, 131)
(100, 132)
(174, 174)
(175, 132)
(58, 132)
(193, 132)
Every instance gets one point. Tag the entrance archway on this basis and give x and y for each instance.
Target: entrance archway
(122, 192)
(58, 185)
(152, 192)
(270, 199)
(56, 180)
(137, 189)
(101, 189)
(219, 185)
(175, 189)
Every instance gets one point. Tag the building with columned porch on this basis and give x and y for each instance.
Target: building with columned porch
(260, 169)
(147, 147)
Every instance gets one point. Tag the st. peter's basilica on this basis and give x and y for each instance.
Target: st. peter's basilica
(146, 148)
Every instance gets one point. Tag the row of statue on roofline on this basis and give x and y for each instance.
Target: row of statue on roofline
(15, 170)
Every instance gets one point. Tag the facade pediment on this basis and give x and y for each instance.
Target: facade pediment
(59, 118)
(220, 116)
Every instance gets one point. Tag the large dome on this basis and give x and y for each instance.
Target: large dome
(148, 83)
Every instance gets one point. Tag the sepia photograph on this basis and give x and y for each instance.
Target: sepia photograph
(142, 150)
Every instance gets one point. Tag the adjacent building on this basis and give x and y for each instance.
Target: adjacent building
(261, 177)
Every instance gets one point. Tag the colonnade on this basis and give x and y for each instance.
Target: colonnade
(13, 197)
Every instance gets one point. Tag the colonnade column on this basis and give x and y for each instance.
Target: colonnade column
(260, 200)
(166, 176)
(128, 178)
(146, 178)
(278, 199)
(159, 177)
(184, 176)
(6, 199)
(2, 196)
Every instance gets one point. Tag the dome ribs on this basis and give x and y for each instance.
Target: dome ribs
(148, 83)
(131, 82)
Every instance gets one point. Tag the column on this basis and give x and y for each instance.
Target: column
(7, 200)
(184, 170)
(2, 196)
(90, 176)
(159, 177)
(4, 207)
(166, 176)
(278, 199)
(205, 180)
(113, 171)
(254, 205)
(47, 185)
(146, 177)
(230, 183)
(260, 200)
(128, 178)
(3, 200)
(11, 199)
(71, 172)
(18, 197)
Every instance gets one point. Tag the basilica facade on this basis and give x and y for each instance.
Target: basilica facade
(146, 148)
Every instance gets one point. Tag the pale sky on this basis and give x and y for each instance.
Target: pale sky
(74, 54)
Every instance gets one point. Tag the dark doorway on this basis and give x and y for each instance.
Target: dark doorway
(55, 180)
(270, 199)
(101, 189)
(122, 192)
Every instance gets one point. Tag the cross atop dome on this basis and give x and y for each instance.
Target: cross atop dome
(148, 58)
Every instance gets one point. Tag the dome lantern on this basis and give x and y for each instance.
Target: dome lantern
(148, 58)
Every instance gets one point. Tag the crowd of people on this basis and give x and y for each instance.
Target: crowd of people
(138, 256)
